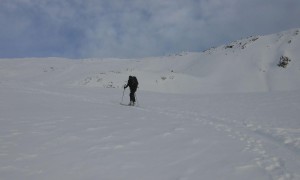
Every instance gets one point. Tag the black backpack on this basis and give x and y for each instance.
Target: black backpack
(134, 81)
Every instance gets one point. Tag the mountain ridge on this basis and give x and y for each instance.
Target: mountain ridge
(247, 65)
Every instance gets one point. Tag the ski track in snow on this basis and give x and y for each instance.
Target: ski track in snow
(254, 137)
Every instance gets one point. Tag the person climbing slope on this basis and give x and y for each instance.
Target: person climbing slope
(133, 85)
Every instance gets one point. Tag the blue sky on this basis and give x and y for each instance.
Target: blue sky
(135, 28)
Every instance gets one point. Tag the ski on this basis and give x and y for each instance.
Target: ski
(123, 104)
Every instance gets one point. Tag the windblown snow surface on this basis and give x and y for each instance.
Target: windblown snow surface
(227, 113)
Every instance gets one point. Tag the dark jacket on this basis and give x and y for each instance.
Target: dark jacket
(132, 83)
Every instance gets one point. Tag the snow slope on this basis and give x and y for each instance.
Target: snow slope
(247, 65)
(74, 133)
(226, 113)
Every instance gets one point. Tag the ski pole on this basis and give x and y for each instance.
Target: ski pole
(137, 102)
(123, 95)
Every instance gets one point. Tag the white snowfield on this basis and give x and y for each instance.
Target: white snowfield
(227, 113)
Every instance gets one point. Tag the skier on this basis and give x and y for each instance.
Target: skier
(133, 85)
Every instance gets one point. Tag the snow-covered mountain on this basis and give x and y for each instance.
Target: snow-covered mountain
(62, 118)
(247, 65)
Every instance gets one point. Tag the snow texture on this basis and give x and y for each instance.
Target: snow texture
(227, 113)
